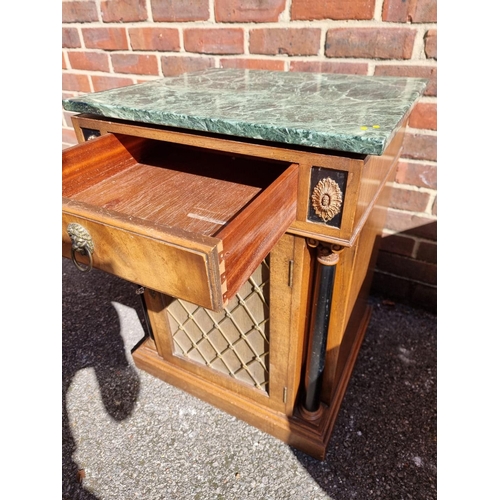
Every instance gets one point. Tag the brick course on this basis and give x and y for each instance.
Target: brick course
(176, 65)
(268, 64)
(419, 146)
(180, 10)
(135, 63)
(71, 38)
(428, 72)
(79, 12)
(417, 174)
(155, 39)
(395, 243)
(421, 11)
(88, 60)
(411, 200)
(376, 43)
(109, 82)
(249, 11)
(424, 115)
(330, 67)
(105, 38)
(123, 11)
(353, 9)
(113, 43)
(290, 41)
(214, 41)
(76, 82)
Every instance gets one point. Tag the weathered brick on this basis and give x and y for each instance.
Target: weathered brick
(177, 65)
(417, 174)
(424, 296)
(409, 199)
(109, 82)
(214, 40)
(430, 46)
(407, 267)
(79, 12)
(379, 43)
(415, 11)
(64, 64)
(427, 231)
(68, 137)
(67, 118)
(290, 41)
(139, 64)
(404, 290)
(105, 38)
(123, 11)
(180, 10)
(424, 115)
(329, 67)
(419, 146)
(396, 243)
(75, 82)
(411, 224)
(267, 64)
(427, 251)
(353, 9)
(429, 72)
(71, 38)
(250, 11)
(89, 61)
(391, 287)
(160, 39)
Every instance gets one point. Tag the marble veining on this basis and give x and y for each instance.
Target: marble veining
(351, 113)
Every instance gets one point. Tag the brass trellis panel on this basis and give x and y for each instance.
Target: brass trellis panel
(235, 341)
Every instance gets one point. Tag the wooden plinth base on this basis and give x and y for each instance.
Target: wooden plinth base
(311, 436)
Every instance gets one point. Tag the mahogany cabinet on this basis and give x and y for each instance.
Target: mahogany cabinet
(247, 206)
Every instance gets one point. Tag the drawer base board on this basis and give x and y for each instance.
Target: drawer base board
(310, 437)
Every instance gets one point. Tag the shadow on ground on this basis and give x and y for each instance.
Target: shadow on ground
(91, 339)
(384, 441)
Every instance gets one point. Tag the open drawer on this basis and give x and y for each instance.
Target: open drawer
(184, 221)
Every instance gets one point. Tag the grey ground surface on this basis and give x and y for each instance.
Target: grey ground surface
(135, 437)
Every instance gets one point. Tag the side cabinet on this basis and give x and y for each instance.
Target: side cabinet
(254, 260)
(247, 206)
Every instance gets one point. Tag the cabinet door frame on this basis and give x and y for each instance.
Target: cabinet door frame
(288, 290)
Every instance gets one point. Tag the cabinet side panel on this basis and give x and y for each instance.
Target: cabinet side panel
(374, 174)
(353, 281)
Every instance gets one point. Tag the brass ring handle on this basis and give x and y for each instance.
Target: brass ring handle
(81, 242)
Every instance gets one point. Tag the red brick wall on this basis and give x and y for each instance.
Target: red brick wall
(113, 43)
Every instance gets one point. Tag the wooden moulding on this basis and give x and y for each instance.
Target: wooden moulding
(184, 221)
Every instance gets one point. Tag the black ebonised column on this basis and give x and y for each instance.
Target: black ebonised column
(324, 281)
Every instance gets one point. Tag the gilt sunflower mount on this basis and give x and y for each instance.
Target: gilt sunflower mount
(326, 196)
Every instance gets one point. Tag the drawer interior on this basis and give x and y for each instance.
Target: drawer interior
(189, 222)
(195, 190)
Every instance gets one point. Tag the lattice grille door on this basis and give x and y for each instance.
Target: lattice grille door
(234, 342)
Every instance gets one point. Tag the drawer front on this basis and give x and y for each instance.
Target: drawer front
(188, 273)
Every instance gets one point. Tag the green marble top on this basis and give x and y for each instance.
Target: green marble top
(357, 114)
